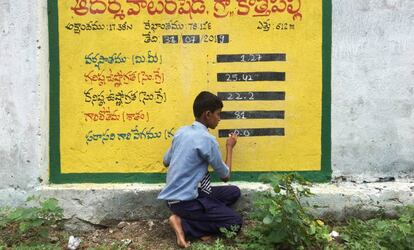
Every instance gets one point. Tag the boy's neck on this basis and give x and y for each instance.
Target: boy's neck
(202, 121)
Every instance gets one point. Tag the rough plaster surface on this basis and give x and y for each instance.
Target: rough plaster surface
(372, 115)
(22, 110)
(102, 205)
(372, 89)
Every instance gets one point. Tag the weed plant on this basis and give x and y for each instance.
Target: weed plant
(380, 233)
(217, 245)
(30, 224)
(283, 223)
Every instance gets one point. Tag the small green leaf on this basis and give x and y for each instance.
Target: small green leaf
(23, 227)
(29, 213)
(15, 215)
(50, 204)
(44, 233)
(267, 220)
(277, 236)
(405, 228)
(382, 225)
(289, 206)
(345, 237)
(36, 223)
(311, 229)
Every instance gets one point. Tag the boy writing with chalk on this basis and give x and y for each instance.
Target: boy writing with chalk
(200, 210)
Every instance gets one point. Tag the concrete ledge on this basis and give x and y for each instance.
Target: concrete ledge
(344, 200)
(90, 205)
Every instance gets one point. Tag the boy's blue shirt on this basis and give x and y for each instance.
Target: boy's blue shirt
(193, 149)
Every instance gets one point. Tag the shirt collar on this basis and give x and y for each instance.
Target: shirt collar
(199, 125)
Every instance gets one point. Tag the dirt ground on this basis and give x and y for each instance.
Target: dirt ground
(148, 234)
(145, 234)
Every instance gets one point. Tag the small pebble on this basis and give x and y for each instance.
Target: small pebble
(126, 242)
(53, 239)
(121, 224)
(150, 224)
(95, 239)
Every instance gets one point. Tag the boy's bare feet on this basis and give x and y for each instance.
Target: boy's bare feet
(175, 223)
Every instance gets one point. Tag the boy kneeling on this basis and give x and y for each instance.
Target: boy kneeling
(200, 210)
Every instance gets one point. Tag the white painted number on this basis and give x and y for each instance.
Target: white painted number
(239, 115)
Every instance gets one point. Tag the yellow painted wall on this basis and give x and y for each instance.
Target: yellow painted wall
(115, 81)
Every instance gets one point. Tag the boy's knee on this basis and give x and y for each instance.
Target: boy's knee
(236, 193)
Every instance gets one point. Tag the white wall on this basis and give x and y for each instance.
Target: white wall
(372, 92)
(373, 88)
(23, 98)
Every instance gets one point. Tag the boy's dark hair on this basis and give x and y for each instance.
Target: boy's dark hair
(206, 101)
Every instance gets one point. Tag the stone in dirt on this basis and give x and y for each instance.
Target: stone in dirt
(53, 239)
(122, 224)
(126, 242)
(150, 224)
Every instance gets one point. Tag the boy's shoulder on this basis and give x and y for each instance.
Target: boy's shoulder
(183, 129)
(190, 130)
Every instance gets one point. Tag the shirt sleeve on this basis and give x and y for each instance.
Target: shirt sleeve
(211, 153)
(167, 158)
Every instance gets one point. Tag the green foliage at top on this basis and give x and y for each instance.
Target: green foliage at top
(283, 223)
(32, 223)
(380, 233)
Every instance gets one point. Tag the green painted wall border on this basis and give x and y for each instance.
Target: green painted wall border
(160, 178)
(57, 177)
(54, 102)
(326, 169)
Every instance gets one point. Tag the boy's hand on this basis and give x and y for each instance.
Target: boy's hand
(230, 143)
(232, 140)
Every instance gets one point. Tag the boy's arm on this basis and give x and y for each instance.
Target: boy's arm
(230, 143)
(211, 153)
